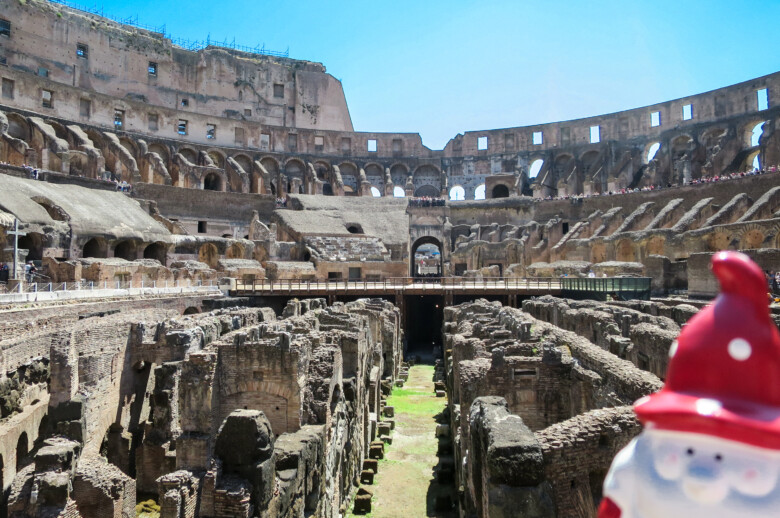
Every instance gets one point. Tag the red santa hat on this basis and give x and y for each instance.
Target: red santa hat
(723, 378)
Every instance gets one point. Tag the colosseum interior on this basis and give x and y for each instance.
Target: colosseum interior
(242, 307)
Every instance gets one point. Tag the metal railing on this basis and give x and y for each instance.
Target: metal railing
(606, 284)
(398, 283)
(40, 287)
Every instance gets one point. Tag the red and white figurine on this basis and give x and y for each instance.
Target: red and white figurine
(711, 440)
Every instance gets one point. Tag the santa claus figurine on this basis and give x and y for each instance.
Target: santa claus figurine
(711, 441)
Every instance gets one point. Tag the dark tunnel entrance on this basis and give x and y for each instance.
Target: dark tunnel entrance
(424, 318)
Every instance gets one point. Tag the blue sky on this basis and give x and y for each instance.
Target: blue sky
(443, 67)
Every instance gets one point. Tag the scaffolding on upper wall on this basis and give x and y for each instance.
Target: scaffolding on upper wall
(182, 43)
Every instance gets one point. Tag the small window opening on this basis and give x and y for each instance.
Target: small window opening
(655, 119)
(5, 28)
(687, 112)
(119, 119)
(153, 121)
(565, 227)
(763, 99)
(239, 136)
(247, 112)
(482, 143)
(202, 227)
(43, 72)
(319, 143)
(181, 128)
(537, 138)
(265, 141)
(47, 98)
(346, 145)
(371, 145)
(152, 68)
(279, 91)
(85, 107)
(292, 142)
(82, 51)
(8, 88)
(185, 103)
(211, 131)
(652, 151)
(595, 134)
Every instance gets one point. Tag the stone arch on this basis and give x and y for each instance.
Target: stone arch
(217, 156)
(59, 130)
(323, 170)
(479, 192)
(427, 174)
(399, 173)
(213, 182)
(97, 139)
(192, 310)
(747, 129)
(95, 247)
(752, 238)
(375, 174)
(655, 245)
(157, 251)
(718, 241)
(130, 145)
(18, 127)
(598, 252)
(651, 151)
(126, 250)
(457, 193)
(189, 154)
(22, 449)
(624, 251)
(208, 254)
(426, 191)
(271, 165)
(536, 166)
(500, 191)
(161, 150)
(244, 161)
(349, 175)
(424, 240)
(681, 144)
(294, 168)
(33, 243)
(235, 251)
(561, 165)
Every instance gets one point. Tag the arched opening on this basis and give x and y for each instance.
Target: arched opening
(22, 448)
(755, 134)
(625, 251)
(457, 193)
(18, 127)
(33, 243)
(426, 257)
(399, 192)
(500, 191)
(327, 189)
(157, 251)
(190, 155)
(375, 192)
(212, 182)
(217, 158)
(398, 174)
(236, 251)
(160, 150)
(208, 254)
(125, 250)
(43, 430)
(95, 247)
(426, 191)
(192, 310)
(536, 166)
(354, 228)
(652, 151)
(479, 192)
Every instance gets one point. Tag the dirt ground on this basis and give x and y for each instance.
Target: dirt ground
(405, 485)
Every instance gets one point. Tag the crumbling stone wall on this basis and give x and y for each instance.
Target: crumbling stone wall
(562, 392)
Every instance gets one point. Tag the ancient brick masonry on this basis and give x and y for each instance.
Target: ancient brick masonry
(537, 412)
(171, 406)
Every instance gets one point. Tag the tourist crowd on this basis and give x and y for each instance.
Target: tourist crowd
(698, 181)
(427, 201)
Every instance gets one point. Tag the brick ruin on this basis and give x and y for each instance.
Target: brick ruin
(144, 402)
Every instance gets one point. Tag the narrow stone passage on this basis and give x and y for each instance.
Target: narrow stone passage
(406, 483)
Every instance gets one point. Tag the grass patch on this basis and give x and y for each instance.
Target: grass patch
(147, 509)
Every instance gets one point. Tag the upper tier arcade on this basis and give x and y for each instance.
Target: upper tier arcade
(87, 96)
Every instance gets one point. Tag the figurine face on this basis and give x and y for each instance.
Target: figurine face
(707, 469)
